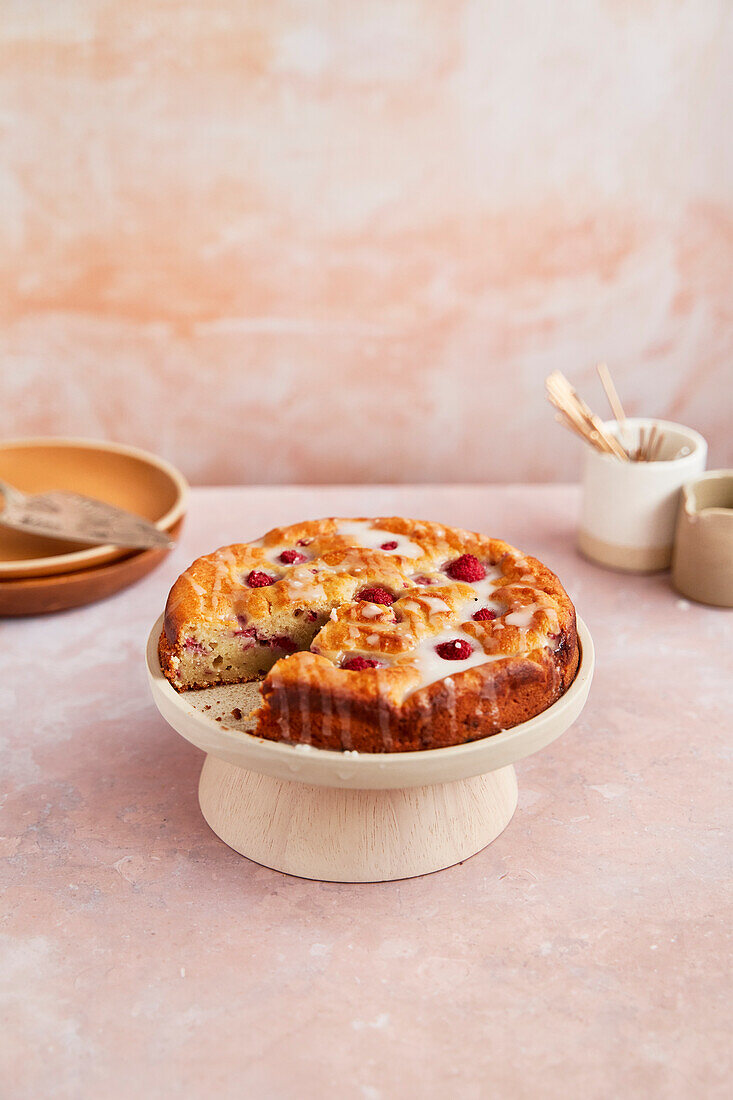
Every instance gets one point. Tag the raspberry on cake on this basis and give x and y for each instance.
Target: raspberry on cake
(257, 579)
(376, 595)
(380, 640)
(358, 664)
(458, 650)
(466, 568)
(291, 557)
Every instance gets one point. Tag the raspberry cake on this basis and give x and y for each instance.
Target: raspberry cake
(374, 635)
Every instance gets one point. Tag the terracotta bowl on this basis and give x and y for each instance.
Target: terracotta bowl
(125, 476)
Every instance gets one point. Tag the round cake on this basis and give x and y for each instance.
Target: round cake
(374, 635)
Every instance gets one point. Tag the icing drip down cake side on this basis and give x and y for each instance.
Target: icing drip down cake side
(374, 635)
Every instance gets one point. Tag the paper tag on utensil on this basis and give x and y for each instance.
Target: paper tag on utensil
(63, 515)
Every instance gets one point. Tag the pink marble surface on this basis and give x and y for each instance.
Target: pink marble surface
(348, 241)
(584, 953)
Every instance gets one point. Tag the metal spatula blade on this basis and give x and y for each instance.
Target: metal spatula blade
(63, 515)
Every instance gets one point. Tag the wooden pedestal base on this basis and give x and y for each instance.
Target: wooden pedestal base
(342, 835)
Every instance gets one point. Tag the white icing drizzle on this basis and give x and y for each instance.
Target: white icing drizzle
(226, 569)
(486, 589)
(435, 604)
(198, 588)
(304, 593)
(432, 667)
(372, 611)
(301, 585)
(363, 534)
(351, 562)
(273, 554)
(523, 617)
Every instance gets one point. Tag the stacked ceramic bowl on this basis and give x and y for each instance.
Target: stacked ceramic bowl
(39, 574)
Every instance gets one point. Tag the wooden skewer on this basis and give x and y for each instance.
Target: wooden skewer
(582, 426)
(610, 390)
(584, 421)
(564, 397)
(568, 423)
(611, 439)
(657, 448)
(642, 445)
(613, 399)
(580, 430)
(574, 414)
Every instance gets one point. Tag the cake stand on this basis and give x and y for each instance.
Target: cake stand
(354, 817)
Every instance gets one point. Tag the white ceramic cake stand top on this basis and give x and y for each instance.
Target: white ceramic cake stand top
(365, 771)
(353, 817)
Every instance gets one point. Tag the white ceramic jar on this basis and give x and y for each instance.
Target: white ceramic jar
(629, 509)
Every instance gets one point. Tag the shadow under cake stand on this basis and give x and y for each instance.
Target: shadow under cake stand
(361, 817)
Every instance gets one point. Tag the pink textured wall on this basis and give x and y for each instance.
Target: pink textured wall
(343, 241)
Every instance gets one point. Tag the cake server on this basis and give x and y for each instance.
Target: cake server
(64, 515)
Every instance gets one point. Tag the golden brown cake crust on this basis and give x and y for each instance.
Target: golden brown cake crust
(522, 651)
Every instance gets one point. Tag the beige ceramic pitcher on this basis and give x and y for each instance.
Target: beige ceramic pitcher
(702, 566)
